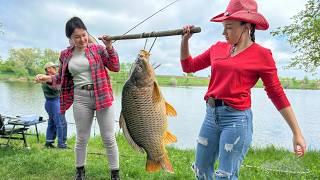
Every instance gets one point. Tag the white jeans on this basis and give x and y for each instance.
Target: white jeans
(83, 112)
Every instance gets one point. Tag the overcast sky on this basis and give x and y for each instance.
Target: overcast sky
(40, 24)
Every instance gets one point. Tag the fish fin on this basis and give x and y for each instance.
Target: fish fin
(121, 120)
(152, 166)
(156, 92)
(126, 133)
(165, 164)
(169, 138)
(170, 110)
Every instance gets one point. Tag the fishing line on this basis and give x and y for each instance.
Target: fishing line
(149, 17)
(152, 44)
(92, 38)
(145, 44)
(157, 66)
(277, 170)
(286, 165)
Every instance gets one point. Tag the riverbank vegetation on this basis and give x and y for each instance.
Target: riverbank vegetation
(185, 80)
(23, 64)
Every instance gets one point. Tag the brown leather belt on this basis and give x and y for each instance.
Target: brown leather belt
(215, 102)
(88, 87)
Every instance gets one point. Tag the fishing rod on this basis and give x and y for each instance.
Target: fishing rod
(152, 34)
(149, 17)
(146, 19)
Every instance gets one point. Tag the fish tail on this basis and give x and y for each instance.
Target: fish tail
(153, 166)
(165, 164)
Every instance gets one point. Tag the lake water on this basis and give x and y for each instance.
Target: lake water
(18, 98)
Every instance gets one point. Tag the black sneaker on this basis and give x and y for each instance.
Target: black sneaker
(80, 173)
(64, 147)
(115, 174)
(49, 145)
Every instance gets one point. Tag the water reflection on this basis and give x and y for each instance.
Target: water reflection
(18, 98)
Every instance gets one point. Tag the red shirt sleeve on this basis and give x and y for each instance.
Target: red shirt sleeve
(195, 64)
(271, 82)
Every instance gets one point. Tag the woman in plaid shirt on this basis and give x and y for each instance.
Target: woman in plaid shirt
(85, 83)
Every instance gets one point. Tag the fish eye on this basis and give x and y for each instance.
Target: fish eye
(139, 69)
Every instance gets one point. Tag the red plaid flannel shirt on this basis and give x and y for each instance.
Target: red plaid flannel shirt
(98, 58)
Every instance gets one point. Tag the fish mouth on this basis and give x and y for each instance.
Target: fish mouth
(138, 68)
(138, 64)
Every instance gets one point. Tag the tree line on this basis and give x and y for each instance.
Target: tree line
(27, 61)
(30, 61)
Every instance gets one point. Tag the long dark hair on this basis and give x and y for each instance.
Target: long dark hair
(252, 31)
(72, 24)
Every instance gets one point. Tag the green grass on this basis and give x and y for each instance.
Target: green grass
(13, 77)
(182, 81)
(38, 162)
(164, 80)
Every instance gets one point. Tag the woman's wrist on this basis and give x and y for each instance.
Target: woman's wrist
(185, 40)
(297, 133)
(109, 48)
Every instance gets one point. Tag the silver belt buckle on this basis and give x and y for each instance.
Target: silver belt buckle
(87, 87)
(211, 102)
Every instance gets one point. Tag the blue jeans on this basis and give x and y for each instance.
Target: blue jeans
(226, 135)
(57, 123)
(65, 128)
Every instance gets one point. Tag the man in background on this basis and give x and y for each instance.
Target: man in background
(57, 125)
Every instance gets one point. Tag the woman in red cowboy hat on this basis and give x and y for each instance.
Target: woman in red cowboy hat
(236, 66)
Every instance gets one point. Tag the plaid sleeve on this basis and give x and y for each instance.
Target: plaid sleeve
(110, 58)
(56, 79)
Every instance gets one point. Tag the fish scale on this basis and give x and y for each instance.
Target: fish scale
(144, 114)
(146, 135)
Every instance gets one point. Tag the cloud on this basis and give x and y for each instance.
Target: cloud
(41, 24)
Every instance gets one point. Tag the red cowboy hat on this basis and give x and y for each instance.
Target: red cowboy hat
(243, 10)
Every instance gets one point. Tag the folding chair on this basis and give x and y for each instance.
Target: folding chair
(10, 132)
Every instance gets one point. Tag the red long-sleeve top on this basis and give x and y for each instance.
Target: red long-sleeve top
(233, 77)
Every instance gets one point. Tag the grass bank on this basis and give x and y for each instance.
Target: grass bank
(13, 77)
(38, 162)
(164, 80)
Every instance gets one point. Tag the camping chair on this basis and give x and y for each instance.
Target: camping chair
(10, 132)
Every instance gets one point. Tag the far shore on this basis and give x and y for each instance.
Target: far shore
(167, 80)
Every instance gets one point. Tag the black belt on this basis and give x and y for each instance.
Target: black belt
(215, 102)
(88, 87)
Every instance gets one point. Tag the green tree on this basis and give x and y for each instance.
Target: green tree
(304, 35)
(48, 55)
(306, 80)
(125, 67)
(123, 75)
(28, 61)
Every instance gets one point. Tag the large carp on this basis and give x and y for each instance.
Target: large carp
(144, 114)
